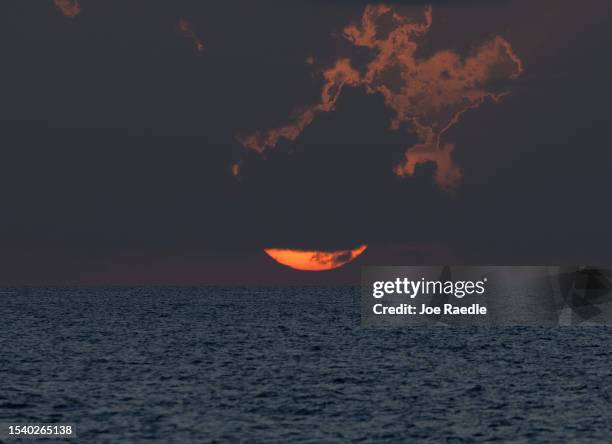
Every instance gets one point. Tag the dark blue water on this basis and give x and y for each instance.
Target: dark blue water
(279, 365)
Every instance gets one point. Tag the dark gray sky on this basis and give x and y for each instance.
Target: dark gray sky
(117, 139)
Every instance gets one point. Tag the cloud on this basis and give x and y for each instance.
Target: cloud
(189, 33)
(427, 95)
(335, 79)
(70, 8)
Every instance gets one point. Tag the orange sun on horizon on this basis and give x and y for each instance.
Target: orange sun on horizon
(314, 260)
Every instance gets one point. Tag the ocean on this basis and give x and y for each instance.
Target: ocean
(289, 365)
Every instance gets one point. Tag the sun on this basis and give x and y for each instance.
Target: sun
(314, 260)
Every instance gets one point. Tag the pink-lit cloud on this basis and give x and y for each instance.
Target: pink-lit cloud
(428, 95)
(187, 30)
(70, 8)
